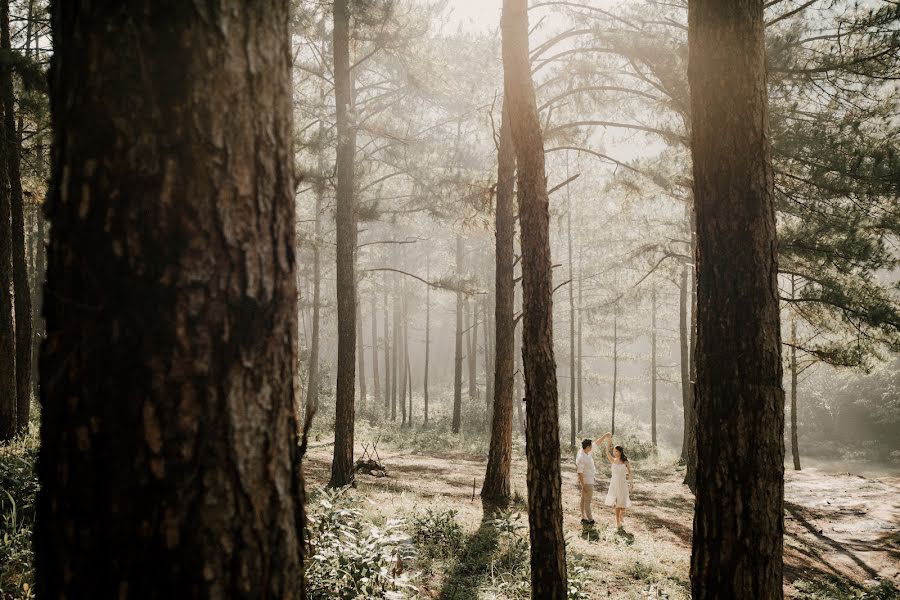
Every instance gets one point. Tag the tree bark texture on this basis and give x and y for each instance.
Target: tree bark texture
(548, 561)
(169, 462)
(22, 298)
(8, 395)
(496, 488)
(738, 518)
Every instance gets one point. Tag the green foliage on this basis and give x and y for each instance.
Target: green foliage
(437, 534)
(352, 559)
(834, 588)
(18, 488)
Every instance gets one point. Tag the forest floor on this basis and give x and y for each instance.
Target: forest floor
(842, 531)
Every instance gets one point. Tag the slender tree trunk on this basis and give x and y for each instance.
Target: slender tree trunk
(387, 353)
(473, 351)
(795, 445)
(615, 381)
(496, 488)
(403, 353)
(684, 355)
(573, 416)
(580, 362)
(690, 476)
(360, 352)
(169, 464)
(488, 374)
(376, 379)
(312, 383)
(22, 298)
(8, 395)
(427, 337)
(458, 358)
(653, 368)
(40, 261)
(548, 552)
(409, 415)
(398, 350)
(518, 378)
(738, 528)
(345, 215)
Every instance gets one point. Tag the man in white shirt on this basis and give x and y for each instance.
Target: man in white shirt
(584, 466)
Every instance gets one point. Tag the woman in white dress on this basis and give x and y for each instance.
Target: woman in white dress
(618, 495)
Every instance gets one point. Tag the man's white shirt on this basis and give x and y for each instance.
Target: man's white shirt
(584, 463)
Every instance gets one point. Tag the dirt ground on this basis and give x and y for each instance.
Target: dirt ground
(841, 525)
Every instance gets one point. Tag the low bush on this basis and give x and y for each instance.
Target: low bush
(437, 534)
(18, 488)
(352, 559)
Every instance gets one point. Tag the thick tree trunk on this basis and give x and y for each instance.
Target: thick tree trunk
(345, 277)
(169, 463)
(684, 356)
(22, 299)
(653, 368)
(458, 356)
(387, 353)
(376, 379)
(738, 528)
(615, 381)
(548, 552)
(573, 416)
(427, 338)
(496, 489)
(795, 445)
(8, 395)
(360, 352)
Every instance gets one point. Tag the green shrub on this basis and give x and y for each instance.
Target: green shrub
(351, 559)
(437, 534)
(835, 588)
(18, 488)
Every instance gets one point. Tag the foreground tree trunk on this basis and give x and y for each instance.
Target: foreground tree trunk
(345, 216)
(738, 517)
(457, 355)
(22, 300)
(548, 552)
(496, 489)
(169, 463)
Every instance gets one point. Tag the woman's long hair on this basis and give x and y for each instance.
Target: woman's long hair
(622, 454)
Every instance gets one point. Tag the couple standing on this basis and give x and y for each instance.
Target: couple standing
(619, 488)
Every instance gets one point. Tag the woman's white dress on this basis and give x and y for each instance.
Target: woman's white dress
(618, 487)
